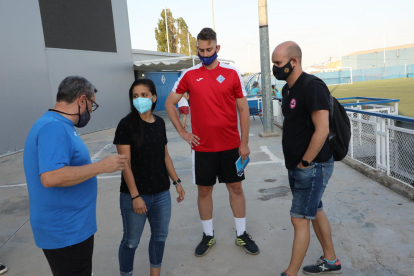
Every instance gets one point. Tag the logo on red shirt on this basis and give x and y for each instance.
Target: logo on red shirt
(293, 103)
(220, 79)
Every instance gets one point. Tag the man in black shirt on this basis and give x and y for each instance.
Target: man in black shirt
(308, 157)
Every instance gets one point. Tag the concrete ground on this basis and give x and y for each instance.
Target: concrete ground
(373, 227)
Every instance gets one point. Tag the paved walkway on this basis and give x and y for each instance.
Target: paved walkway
(373, 227)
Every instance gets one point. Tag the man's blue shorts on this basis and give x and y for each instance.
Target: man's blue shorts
(308, 185)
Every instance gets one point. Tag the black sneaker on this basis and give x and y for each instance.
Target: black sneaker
(204, 246)
(323, 267)
(245, 241)
(3, 269)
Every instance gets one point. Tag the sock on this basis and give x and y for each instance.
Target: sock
(240, 225)
(330, 262)
(208, 227)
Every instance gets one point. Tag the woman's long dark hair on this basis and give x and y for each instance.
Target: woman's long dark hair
(137, 124)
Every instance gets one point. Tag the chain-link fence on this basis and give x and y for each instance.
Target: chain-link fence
(378, 143)
(401, 154)
(363, 141)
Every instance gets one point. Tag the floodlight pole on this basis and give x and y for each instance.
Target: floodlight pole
(212, 12)
(166, 27)
(248, 52)
(188, 39)
(265, 71)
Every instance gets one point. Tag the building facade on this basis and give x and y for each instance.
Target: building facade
(45, 41)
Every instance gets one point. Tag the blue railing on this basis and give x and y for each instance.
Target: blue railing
(398, 118)
(372, 101)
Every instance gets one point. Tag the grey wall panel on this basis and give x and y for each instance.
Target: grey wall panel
(111, 78)
(30, 73)
(111, 73)
(78, 24)
(24, 89)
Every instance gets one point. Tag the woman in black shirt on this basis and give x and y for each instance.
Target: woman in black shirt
(145, 183)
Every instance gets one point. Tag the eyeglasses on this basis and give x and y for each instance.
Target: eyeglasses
(94, 105)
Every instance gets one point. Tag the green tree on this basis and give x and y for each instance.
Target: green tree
(182, 36)
(161, 35)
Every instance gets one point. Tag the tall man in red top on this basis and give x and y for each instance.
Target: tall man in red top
(216, 92)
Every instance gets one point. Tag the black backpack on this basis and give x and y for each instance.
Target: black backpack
(339, 124)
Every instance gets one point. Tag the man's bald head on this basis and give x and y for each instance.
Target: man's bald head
(289, 50)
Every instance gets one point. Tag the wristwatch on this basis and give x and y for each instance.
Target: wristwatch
(178, 181)
(305, 163)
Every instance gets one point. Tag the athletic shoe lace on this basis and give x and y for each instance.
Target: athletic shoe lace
(319, 262)
(206, 238)
(247, 237)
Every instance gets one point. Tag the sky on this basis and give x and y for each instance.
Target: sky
(323, 29)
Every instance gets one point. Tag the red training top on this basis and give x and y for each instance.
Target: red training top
(213, 96)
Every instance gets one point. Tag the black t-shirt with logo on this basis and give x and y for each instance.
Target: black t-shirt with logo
(297, 126)
(148, 163)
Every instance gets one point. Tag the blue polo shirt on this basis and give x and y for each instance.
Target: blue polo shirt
(59, 216)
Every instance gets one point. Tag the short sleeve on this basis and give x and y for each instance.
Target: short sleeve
(239, 89)
(55, 149)
(122, 133)
(317, 96)
(181, 85)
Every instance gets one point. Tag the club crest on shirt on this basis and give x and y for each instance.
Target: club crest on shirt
(74, 133)
(293, 103)
(220, 79)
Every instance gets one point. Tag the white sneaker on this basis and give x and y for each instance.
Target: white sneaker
(3, 269)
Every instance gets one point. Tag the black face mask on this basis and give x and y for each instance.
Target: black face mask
(83, 118)
(282, 73)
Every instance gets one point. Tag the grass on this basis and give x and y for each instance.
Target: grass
(402, 89)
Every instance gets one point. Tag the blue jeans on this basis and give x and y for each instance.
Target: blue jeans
(158, 214)
(308, 185)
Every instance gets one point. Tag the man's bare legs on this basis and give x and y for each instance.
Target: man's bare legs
(322, 229)
(300, 244)
(237, 199)
(205, 202)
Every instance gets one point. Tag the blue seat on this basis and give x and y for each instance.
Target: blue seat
(254, 111)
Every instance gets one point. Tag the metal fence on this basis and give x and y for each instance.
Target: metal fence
(376, 141)
(367, 74)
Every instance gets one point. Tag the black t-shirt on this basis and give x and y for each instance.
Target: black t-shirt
(297, 126)
(147, 163)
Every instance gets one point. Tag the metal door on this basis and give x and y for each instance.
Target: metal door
(164, 83)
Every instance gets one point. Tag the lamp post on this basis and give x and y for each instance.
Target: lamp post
(265, 70)
(166, 27)
(212, 12)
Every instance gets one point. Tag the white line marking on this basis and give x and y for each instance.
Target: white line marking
(109, 176)
(96, 156)
(15, 185)
(271, 155)
(262, 162)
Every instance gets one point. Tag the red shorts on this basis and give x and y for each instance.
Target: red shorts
(183, 110)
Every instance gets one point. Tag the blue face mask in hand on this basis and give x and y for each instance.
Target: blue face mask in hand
(208, 60)
(142, 104)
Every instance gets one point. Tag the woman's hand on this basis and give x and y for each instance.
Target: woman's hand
(139, 206)
(180, 192)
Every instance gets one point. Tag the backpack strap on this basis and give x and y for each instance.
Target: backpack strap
(307, 79)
